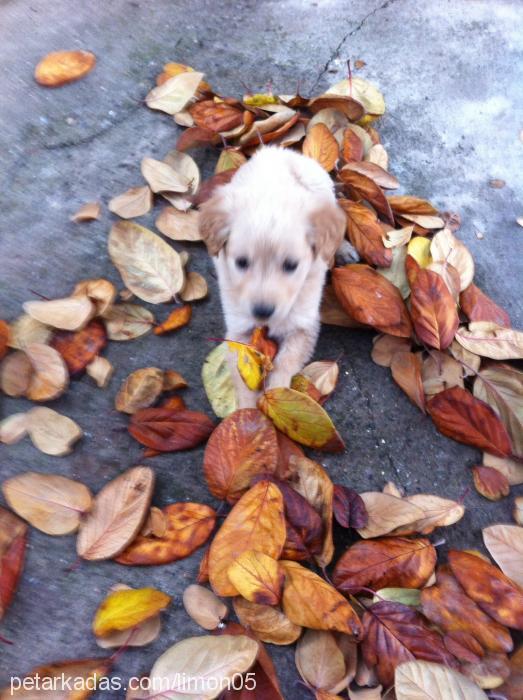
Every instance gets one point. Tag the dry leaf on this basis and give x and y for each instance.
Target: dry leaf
(380, 176)
(406, 204)
(433, 310)
(505, 544)
(52, 433)
(140, 390)
(127, 321)
(230, 159)
(162, 178)
(179, 225)
(173, 95)
(26, 330)
(321, 145)
(195, 287)
(510, 468)
(386, 513)
(420, 680)
(178, 318)
(477, 306)
(126, 608)
(301, 418)
(262, 505)
(320, 661)
(257, 577)
(16, 372)
(310, 601)
(242, 446)
(406, 372)
(100, 291)
(214, 661)
(87, 212)
(460, 416)
(267, 622)
(384, 347)
(204, 607)
(51, 503)
(468, 360)
(365, 233)
(362, 187)
(69, 314)
(168, 430)
(371, 299)
(13, 428)
(378, 155)
(397, 237)
(445, 247)
(352, 148)
(79, 348)
(348, 507)
(136, 201)
(517, 511)
(49, 378)
(60, 67)
(101, 370)
(489, 340)
(64, 680)
(138, 636)
(323, 374)
(13, 539)
(437, 512)
(363, 91)
(118, 513)
(490, 483)
(439, 372)
(188, 526)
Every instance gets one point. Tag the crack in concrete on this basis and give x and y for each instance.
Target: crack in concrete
(352, 32)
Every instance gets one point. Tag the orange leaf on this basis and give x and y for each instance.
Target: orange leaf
(4, 338)
(365, 188)
(243, 445)
(366, 234)
(176, 319)
(352, 147)
(460, 416)
(490, 482)
(477, 306)
(216, 116)
(433, 310)
(255, 522)
(494, 592)
(169, 430)
(406, 371)
(406, 204)
(13, 539)
(321, 145)
(60, 67)
(257, 577)
(261, 341)
(384, 563)
(79, 348)
(311, 602)
(188, 526)
(371, 299)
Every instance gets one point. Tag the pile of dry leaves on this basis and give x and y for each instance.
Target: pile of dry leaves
(386, 618)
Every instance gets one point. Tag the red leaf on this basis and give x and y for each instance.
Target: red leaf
(79, 348)
(349, 508)
(170, 430)
(490, 482)
(365, 188)
(365, 233)
(196, 136)
(13, 539)
(433, 310)
(477, 306)
(460, 416)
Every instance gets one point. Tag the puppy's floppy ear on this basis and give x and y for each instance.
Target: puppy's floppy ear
(328, 225)
(214, 223)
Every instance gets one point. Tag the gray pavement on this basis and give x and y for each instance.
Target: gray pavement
(451, 72)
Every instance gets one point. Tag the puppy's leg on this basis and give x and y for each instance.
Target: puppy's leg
(295, 350)
(246, 397)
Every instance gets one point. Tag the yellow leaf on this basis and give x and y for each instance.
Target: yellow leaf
(419, 249)
(126, 608)
(301, 418)
(260, 99)
(257, 577)
(252, 365)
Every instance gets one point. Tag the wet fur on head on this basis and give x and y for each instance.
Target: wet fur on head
(272, 231)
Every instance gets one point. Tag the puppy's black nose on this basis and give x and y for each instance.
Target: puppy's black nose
(263, 311)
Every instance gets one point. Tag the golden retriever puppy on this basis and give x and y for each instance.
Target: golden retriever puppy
(273, 231)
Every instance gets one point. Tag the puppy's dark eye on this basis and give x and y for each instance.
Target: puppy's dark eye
(289, 265)
(242, 263)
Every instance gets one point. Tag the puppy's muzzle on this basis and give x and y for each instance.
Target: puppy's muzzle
(263, 311)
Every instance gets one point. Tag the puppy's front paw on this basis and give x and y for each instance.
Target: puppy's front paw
(347, 254)
(278, 379)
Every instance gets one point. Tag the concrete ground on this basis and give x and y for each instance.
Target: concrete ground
(451, 71)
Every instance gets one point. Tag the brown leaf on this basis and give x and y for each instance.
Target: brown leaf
(188, 526)
(365, 233)
(351, 108)
(257, 577)
(394, 634)
(268, 623)
(60, 67)
(496, 594)
(127, 321)
(215, 116)
(384, 347)
(177, 319)
(117, 516)
(371, 299)
(13, 539)
(140, 390)
(349, 508)
(505, 544)
(204, 607)
(168, 430)
(323, 374)
(79, 348)
(512, 688)
(50, 502)
(437, 512)
(477, 306)
(50, 432)
(13, 428)
(87, 212)
(439, 372)
(321, 145)
(69, 314)
(50, 377)
(406, 372)
(433, 310)
(460, 416)
(445, 247)
(380, 176)
(448, 606)
(510, 468)
(488, 672)
(136, 201)
(243, 445)
(320, 661)
(311, 602)
(419, 679)
(406, 204)
(101, 370)
(4, 338)
(385, 563)
(179, 225)
(490, 483)
(16, 372)
(352, 146)
(386, 513)
(196, 136)
(364, 187)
